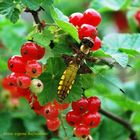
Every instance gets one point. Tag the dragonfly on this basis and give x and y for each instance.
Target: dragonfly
(76, 65)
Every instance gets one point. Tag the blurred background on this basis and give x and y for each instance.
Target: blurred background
(18, 117)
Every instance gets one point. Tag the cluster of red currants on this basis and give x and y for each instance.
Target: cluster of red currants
(51, 112)
(24, 68)
(84, 115)
(137, 17)
(21, 83)
(86, 24)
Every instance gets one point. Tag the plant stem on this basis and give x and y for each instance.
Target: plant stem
(36, 17)
(121, 121)
(63, 126)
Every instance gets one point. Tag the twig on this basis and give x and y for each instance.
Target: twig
(36, 17)
(121, 121)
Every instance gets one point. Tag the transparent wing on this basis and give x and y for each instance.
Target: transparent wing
(110, 88)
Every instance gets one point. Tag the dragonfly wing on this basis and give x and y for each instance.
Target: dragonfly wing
(67, 58)
(84, 69)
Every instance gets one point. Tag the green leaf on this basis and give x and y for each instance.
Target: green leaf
(50, 88)
(3, 65)
(47, 2)
(114, 44)
(6, 6)
(43, 38)
(76, 91)
(9, 9)
(87, 81)
(135, 120)
(122, 59)
(13, 15)
(99, 53)
(62, 47)
(16, 127)
(5, 121)
(33, 124)
(110, 5)
(62, 21)
(116, 131)
(32, 4)
(50, 79)
(55, 66)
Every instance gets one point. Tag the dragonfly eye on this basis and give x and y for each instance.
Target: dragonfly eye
(88, 42)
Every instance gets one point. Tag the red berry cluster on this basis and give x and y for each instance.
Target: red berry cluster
(51, 112)
(137, 17)
(86, 24)
(21, 84)
(84, 115)
(24, 68)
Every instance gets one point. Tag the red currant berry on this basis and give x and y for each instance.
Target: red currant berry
(91, 17)
(121, 21)
(53, 124)
(29, 51)
(137, 16)
(87, 31)
(34, 103)
(97, 44)
(23, 81)
(94, 104)
(23, 93)
(33, 69)
(73, 118)
(81, 131)
(12, 78)
(10, 82)
(50, 112)
(91, 120)
(80, 106)
(16, 64)
(61, 106)
(4, 83)
(41, 52)
(76, 19)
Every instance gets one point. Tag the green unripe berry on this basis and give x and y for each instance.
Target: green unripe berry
(36, 86)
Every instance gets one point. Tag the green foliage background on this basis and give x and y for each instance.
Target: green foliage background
(124, 48)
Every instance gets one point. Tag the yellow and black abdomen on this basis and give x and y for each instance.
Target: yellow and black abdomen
(67, 81)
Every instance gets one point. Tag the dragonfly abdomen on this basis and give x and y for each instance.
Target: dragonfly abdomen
(67, 81)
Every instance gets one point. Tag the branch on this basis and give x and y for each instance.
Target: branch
(121, 121)
(35, 15)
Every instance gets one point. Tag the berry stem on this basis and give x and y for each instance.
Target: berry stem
(63, 126)
(121, 121)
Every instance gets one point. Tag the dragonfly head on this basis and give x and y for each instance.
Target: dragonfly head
(87, 44)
